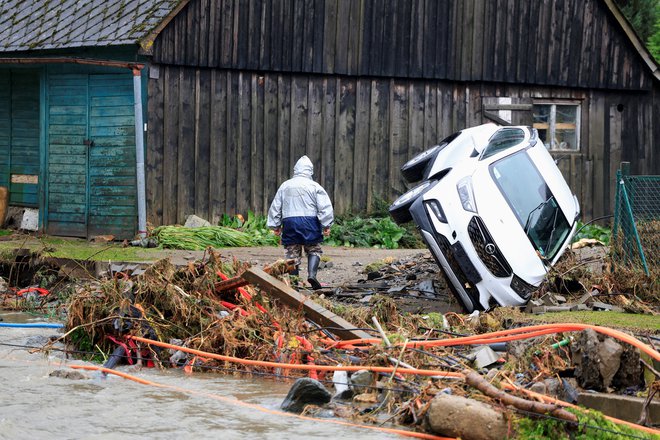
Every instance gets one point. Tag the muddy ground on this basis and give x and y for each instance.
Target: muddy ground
(342, 265)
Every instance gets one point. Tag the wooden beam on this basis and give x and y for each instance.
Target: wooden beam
(294, 299)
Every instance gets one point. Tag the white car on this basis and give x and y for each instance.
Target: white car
(494, 210)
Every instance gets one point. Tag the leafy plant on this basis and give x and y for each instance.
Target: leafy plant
(594, 231)
(365, 232)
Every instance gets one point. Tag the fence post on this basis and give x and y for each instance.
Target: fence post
(624, 172)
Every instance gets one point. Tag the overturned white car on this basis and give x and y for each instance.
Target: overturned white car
(494, 210)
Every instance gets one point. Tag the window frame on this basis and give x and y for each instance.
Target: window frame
(552, 124)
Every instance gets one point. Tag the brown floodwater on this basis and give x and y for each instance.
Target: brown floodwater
(39, 406)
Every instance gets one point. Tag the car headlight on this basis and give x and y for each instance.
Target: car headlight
(465, 193)
(434, 208)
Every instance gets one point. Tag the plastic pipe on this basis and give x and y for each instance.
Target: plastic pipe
(31, 325)
(139, 153)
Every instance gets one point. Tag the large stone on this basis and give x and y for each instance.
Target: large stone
(305, 391)
(609, 355)
(597, 358)
(455, 416)
(602, 362)
(192, 221)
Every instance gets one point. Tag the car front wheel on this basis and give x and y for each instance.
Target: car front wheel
(400, 209)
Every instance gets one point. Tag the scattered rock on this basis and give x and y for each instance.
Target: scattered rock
(4, 286)
(361, 380)
(455, 416)
(305, 391)
(366, 398)
(68, 374)
(597, 359)
(631, 372)
(192, 221)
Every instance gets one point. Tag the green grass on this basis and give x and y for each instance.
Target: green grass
(4, 232)
(79, 249)
(604, 319)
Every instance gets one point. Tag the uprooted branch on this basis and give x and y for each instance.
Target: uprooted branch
(475, 380)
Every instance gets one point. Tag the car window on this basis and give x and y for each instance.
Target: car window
(532, 202)
(501, 140)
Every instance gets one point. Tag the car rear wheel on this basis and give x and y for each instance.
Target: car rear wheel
(413, 170)
(400, 209)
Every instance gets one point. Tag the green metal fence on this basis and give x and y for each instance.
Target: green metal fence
(636, 231)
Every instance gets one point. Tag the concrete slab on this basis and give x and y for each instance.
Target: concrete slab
(627, 408)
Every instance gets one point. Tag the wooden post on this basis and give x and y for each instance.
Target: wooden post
(294, 299)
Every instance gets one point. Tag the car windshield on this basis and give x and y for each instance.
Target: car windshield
(530, 199)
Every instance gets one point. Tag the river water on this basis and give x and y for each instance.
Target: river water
(39, 406)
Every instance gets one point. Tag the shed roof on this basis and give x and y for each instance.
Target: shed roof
(61, 24)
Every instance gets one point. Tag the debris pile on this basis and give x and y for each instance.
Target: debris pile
(361, 357)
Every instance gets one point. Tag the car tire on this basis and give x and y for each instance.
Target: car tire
(400, 208)
(413, 170)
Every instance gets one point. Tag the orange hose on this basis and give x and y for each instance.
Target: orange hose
(552, 400)
(520, 333)
(269, 364)
(257, 407)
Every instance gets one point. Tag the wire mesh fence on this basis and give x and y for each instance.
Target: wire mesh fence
(636, 230)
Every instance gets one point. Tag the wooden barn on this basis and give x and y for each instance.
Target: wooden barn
(238, 90)
(234, 91)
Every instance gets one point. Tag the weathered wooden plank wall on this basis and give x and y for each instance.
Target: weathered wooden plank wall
(222, 141)
(542, 42)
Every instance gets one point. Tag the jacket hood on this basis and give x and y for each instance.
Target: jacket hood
(304, 168)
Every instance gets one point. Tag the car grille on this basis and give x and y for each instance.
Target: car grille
(487, 250)
(448, 252)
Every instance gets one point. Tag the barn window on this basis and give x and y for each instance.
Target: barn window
(558, 124)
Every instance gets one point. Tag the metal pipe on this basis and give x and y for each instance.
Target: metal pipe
(139, 153)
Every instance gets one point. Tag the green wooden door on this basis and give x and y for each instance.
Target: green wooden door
(112, 191)
(91, 155)
(19, 135)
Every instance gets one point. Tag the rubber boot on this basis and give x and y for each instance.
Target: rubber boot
(312, 267)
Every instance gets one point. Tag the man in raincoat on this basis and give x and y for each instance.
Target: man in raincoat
(301, 213)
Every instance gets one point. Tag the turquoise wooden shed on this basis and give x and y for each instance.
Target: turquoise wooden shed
(71, 97)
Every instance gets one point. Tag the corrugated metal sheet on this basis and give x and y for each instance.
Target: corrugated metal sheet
(55, 24)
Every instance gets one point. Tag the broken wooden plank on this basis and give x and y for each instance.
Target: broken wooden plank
(279, 267)
(294, 299)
